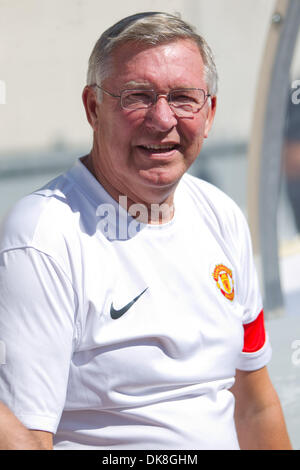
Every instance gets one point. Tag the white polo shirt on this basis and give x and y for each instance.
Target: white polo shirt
(127, 336)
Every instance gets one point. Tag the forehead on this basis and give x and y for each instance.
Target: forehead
(175, 64)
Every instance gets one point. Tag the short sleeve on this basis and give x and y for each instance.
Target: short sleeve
(256, 352)
(37, 318)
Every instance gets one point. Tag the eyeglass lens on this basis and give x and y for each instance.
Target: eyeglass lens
(186, 101)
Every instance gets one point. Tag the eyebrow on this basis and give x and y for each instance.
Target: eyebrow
(134, 84)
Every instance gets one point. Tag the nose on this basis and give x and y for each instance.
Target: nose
(160, 116)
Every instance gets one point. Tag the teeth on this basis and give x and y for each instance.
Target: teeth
(159, 147)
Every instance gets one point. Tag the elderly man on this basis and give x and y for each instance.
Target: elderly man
(129, 302)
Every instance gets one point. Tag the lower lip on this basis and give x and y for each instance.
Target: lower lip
(165, 155)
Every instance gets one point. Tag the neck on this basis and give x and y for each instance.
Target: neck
(158, 211)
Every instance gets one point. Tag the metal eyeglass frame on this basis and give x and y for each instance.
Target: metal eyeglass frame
(167, 96)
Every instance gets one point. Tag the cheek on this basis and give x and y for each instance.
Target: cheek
(123, 130)
(194, 133)
(113, 133)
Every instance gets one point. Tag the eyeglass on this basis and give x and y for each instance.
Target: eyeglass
(184, 102)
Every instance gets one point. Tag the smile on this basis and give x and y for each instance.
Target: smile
(159, 148)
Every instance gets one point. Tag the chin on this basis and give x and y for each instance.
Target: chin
(161, 177)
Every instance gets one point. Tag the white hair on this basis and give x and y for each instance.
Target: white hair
(150, 28)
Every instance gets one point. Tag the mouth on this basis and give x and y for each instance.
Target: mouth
(159, 149)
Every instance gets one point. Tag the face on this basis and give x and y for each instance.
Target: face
(143, 154)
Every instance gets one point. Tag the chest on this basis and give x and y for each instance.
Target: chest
(175, 297)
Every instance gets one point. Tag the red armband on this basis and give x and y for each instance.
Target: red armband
(254, 334)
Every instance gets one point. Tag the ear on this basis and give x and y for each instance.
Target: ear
(90, 102)
(212, 106)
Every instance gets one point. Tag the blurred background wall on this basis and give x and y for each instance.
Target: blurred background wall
(45, 46)
(44, 51)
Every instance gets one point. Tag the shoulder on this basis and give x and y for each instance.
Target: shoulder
(213, 204)
(37, 216)
(206, 191)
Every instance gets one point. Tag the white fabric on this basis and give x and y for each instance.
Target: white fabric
(159, 376)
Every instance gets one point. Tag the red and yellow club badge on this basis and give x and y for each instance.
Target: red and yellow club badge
(223, 277)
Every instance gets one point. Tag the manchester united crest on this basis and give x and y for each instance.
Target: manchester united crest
(223, 277)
